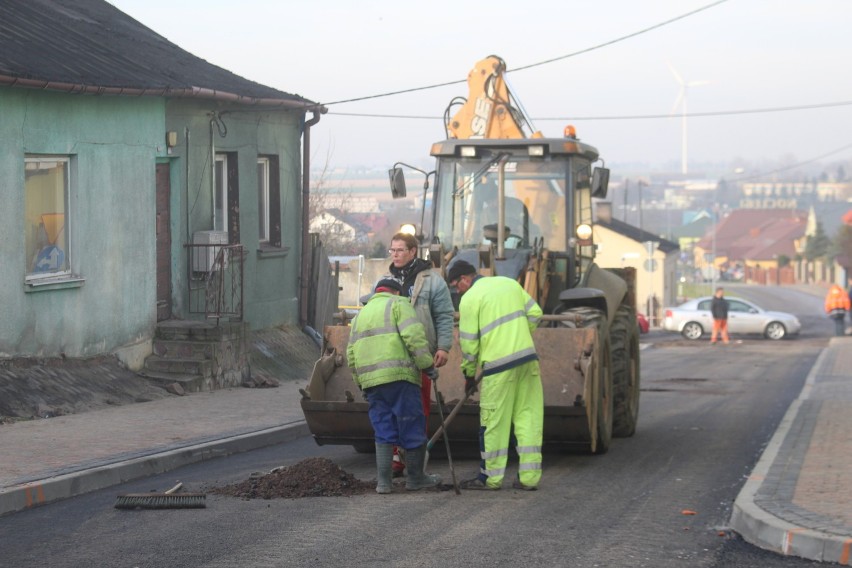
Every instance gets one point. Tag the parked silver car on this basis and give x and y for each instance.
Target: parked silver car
(693, 319)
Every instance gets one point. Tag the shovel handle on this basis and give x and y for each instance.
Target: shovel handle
(451, 415)
(446, 439)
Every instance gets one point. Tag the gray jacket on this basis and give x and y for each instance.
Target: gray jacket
(434, 307)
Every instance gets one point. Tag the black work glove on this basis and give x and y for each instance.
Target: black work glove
(432, 373)
(470, 385)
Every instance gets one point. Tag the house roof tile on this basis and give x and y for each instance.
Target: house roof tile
(742, 223)
(89, 46)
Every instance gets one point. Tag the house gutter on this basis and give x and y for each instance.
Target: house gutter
(305, 277)
(183, 92)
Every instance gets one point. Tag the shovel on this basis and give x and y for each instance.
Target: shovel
(439, 400)
(446, 422)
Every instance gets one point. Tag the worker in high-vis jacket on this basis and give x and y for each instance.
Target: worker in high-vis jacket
(496, 321)
(836, 305)
(386, 352)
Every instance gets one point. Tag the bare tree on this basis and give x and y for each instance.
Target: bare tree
(326, 205)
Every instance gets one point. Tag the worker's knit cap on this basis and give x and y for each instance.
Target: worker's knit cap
(458, 269)
(388, 285)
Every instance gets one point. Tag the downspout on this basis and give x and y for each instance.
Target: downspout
(212, 174)
(305, 277)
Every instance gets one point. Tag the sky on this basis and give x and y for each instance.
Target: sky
(614, 68)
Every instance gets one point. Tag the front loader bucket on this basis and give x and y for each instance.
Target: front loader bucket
(336, 411)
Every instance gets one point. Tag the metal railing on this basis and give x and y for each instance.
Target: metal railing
(215, 280)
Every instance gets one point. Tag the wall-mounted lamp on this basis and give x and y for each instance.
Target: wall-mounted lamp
(171, 139)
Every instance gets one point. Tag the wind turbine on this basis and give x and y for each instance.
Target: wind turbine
(681, 100)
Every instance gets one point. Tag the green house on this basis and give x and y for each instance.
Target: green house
(140, 185)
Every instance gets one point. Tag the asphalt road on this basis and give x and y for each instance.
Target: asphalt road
(706, 414)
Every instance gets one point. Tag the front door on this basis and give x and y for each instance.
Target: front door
(164, 244)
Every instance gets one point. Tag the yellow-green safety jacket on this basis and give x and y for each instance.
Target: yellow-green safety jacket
(387, 343)
(496, 321)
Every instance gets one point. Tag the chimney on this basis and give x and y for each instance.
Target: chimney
(604, 211)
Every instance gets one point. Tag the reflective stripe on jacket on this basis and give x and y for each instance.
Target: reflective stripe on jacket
(387, 343)
(496, 320)
(433, 304)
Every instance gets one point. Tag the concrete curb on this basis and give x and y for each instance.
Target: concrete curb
(767, 531)
(28, 495)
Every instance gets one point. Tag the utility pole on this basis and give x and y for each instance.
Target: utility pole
(713, 250)
(713, 257)
(650, 266)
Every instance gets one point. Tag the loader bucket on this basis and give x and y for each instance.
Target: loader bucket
(336, 411)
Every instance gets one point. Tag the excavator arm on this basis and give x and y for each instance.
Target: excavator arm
(488, 111)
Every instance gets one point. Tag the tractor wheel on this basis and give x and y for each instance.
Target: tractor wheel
(601, 370)
(605, 393)
(603, 376)
(624, 338)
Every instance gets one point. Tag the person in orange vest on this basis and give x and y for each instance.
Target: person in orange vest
(836, 305)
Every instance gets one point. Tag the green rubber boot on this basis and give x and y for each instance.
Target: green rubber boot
(417, 479)
(384, 461)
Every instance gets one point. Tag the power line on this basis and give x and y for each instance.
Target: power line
(709, 113)
(793, 166)
(531, 65)
(623, 117)
(622, 38)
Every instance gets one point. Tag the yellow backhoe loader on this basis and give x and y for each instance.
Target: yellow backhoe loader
(516, 205)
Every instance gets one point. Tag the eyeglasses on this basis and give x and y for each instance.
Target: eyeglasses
(397, 251)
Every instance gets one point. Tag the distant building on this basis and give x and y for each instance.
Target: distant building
(655, 259)
(792, 195)
(756, 238)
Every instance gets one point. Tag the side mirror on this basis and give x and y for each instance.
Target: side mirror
(600, 182)
(397, 183)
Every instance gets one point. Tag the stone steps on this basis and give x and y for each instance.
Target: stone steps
(187, 383)
(179, 366)
(183, 349)
(183, 330)
(199, 355)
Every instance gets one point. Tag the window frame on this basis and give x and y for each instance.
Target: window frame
(273, 244)
(264, 213)
(36, 278)
(220, 193)
(736, 305)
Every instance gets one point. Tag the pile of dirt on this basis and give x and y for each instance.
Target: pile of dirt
(312, 477)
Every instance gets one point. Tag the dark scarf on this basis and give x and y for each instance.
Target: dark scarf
(406, 274)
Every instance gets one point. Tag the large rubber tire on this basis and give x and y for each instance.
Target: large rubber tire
(624, 339)
(605, 394)
(593, 317)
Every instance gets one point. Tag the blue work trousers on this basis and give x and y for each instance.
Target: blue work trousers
(396, 413)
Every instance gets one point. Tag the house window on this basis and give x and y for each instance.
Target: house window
(220, 197)
(263, 199)
(269, 201)
(46, 216)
